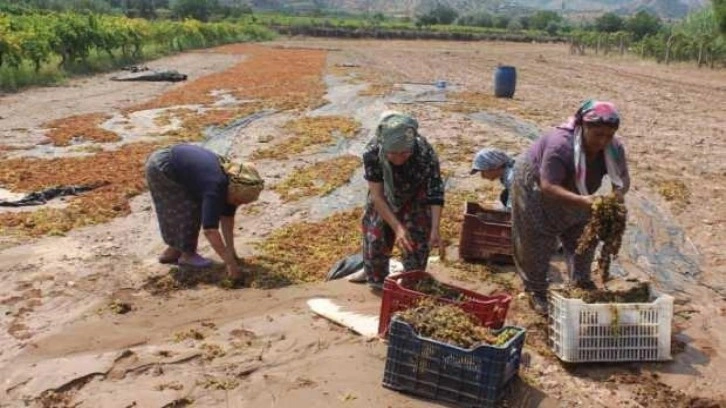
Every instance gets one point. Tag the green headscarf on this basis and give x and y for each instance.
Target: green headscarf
(395, 133)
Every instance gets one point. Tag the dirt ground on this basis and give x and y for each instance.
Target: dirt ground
(63, 343)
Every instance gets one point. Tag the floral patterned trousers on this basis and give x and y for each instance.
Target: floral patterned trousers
(179, 215)
(379, 238)
(537, 223)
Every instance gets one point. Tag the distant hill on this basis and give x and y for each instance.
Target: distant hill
(663, 8)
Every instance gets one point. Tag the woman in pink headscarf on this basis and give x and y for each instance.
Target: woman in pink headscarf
(553, 187)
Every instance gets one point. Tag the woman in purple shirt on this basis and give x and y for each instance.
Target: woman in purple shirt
(553, 191)
(193, 188)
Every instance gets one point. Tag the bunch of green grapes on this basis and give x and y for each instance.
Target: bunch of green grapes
(607, 224)
(434, 288)
(452, 325)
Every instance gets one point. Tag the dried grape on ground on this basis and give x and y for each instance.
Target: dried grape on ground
(80, 128)
(271, 78)
(303, 251)
(120, 172)
(318, 179)
(307, 132)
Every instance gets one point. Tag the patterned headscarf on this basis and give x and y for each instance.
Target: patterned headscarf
(490, 159)
(396, 132)
(594, 112)
(244, 179)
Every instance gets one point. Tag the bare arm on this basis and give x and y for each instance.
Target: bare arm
(435, 236)
(435, 218)
(215, 239)
(227, 226)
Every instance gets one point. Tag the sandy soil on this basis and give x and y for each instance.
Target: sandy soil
(61, 345)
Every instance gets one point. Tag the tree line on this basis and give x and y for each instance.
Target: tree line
(36, 45)
(699, 37)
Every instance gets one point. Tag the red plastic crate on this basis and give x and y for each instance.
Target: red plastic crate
(490, 311)
(486, 234)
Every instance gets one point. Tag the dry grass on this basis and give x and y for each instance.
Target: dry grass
(81, 128)
(305, 251)
(318, 179)
(309, 131)
(121, 171)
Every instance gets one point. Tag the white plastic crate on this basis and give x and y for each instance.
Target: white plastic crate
(588, 332)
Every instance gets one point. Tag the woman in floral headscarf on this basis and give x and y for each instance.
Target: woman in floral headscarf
(554, 183)
(405, 198)
(192, 187)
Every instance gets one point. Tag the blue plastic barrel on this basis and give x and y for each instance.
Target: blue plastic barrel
(505, 81)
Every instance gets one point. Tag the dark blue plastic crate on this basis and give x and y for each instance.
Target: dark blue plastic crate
(435, 370)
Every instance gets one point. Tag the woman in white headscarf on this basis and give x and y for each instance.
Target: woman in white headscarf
(495, 164)
(406, 195)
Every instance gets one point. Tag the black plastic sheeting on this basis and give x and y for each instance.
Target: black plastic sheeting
(153, 76)
(345, 267)
(43, 196)
(655, 244)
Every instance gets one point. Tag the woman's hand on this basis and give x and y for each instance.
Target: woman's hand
(587, 201)
(403, 239)
(233, 271)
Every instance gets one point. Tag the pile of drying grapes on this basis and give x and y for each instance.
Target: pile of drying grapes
(434, 288)
(607, 224)
(638, 293)
(450, 324)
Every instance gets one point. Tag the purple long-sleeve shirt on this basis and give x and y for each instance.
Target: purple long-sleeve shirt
(553, 157)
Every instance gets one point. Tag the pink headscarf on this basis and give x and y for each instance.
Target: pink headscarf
(600, 112)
